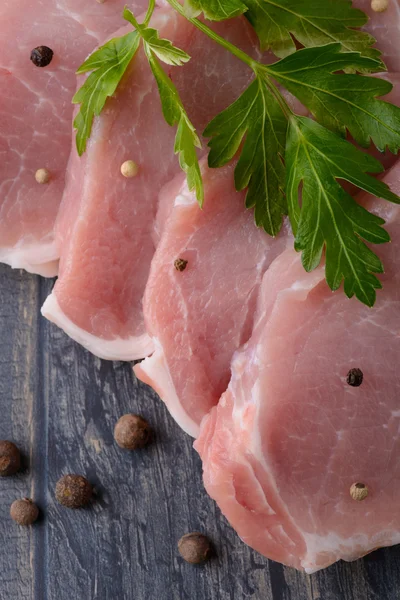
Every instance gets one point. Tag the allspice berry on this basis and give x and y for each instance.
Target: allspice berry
(129, 169)
(132, 432)
(24, 512)
(42, 176)
(180, 264)
(195, 548)
(379, 5)
(10, 459)
(359, 491)
(73, 491)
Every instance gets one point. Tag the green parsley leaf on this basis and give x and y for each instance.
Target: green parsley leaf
(215, 10)
(341, 101)
(279, 23)
(164, 49)
(108, 64)
(280, 154)
(258, 116)
(328, 216)
(187, 139)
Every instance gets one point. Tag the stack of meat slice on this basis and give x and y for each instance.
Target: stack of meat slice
(249, 352)
(200, 316)
(105, 229)
(36, 114)
(291, 436)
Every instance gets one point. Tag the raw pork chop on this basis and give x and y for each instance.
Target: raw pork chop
(194, 343)
(35, 116)
(200, 316)
(290, 436)
(105, 230)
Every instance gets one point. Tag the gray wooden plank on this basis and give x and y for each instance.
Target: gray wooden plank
(60, 404)
(18, 377)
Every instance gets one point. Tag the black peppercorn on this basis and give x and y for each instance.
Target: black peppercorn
(195, 548)
(132, 432)
(10, 459)
(42, 56)
(180, 264)
(355, 377)
(24, 512)
(73, 491)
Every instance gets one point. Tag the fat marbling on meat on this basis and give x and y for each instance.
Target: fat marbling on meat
(105, 229)
(290, 436)
(199, 317)
(36, 115)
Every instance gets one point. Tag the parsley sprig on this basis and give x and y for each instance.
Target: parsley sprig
(258, 117)
(280, 154)
(279, 23)
(328, 217)
(186, 140)
(108, 65)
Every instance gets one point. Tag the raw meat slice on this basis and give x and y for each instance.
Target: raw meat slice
(35, 116)
(104, 315)
(187, 375)
(105, 229)
(196, 321)
(290, 436)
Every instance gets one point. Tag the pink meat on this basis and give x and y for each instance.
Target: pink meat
(193, 339)
(384, 27)
(35, 116)
(105, 229)
(196, 320)
(290, 436)
(106, 250)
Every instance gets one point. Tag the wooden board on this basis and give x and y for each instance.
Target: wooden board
(60, 404)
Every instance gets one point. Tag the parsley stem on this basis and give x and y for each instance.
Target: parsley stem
(287, 111)
(259, 69)
(214, 36)
(149, 14)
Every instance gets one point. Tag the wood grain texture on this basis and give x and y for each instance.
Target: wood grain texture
(60, 405)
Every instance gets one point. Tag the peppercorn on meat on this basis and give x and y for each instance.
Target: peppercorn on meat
(41, 46)
(199, 324)
(106, 228)
(291, 389)
(292, 434)
(384, 26)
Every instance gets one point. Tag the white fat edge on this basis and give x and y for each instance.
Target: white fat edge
(183, 199)
(255, 448)
(253, 355)
(186, 197)
(240, 423)
(347, 549)
(34, 257)
(308, 282)
(156, 369)
(131, 348)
